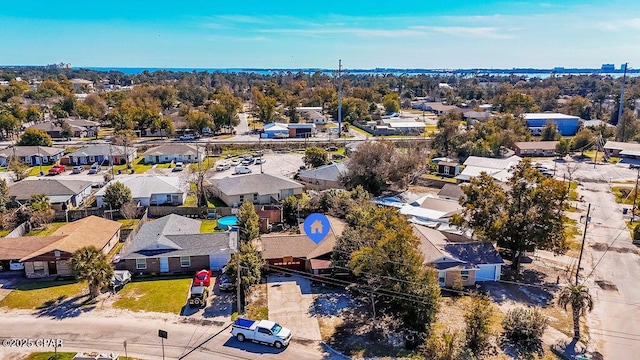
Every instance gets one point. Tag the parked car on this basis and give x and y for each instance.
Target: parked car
(15, 265)
(547, 174)
(95, 168)
(262, 331)
(242, 170)
(198, 296)
(78, 169)
(331, 148)
(258, 153)
(187, 137)
(202, 278)
(225, 284)
(634, 166)
(223, 166)
(235, 162)
(57, 169)
(179, 166)
(248, 161)
(260, 161)
(280, 136)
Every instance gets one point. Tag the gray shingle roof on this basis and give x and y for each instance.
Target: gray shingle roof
(102, 149)
(475, 253)
(451, 191)
(51, 187)
(175, 149)
(331, 172)
(263, 184)
(175, 235)
(23, 151)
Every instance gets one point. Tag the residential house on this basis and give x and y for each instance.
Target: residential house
(173, 244)
(437, 107)
(323, 177)
(52, 259)
(431, 211)
(62, 194)
(256, 188)
(103, 153)
(82, 85)
(499, 169)
(567, 124)
(92, 128)
(150, 190)
(458, 260)
(450, 192)
(622, 149)
(535, 148)
(299, 252)
(448, 168)
(313, 115)
(57, 132)
(14, 249)
(186, 153)
(476, 116)
(31, 155)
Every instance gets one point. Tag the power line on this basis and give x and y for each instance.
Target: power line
(602, 257)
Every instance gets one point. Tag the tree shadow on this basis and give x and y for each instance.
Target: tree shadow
(331, 302)
(63, 308)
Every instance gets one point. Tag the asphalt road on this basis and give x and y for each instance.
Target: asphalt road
(91, 332)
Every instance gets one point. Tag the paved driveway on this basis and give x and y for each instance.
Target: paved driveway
(290, 299)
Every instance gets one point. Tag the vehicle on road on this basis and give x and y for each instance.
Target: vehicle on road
(179, 166)
(95, 168)
(57, 169)
(225, 284)
(202, 278)
(223, 166)
(242, 170)
(198, 296)
(187, 137)
(262, 331)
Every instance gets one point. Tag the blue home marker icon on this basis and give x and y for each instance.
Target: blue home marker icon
(316, 226)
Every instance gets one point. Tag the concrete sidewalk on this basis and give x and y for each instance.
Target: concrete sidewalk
(290, 299)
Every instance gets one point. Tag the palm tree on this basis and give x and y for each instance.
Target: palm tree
(91, 264)
(580, 300)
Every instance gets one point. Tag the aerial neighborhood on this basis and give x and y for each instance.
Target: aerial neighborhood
(429, 217)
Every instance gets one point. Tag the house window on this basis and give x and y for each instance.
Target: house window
(189, 157)
(290, 192)
(141, 264)
(38, 267)
(446, 170)
(255, 197)
(441, 279)
(465, 275)
(185, 261)
(241, 198)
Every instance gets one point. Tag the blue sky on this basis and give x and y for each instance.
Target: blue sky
(315, 34)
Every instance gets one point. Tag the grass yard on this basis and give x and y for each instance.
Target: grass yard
(35, 171)
(623, 194)
(190, 201)
(439, 178)
(138, 166)
(208, 226)
(257, 307)
(41, 294)
(154, 295)
(47, 230)
(129, 223)
(5, 232)
(51, 355)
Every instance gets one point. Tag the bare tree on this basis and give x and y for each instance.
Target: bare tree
(129, 211)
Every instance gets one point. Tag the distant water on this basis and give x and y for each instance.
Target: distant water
(397, 72)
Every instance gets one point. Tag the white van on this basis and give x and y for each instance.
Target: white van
(242, 170)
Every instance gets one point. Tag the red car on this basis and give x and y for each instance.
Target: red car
(202, 278)
(57, 169)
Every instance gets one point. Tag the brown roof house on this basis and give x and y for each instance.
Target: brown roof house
(49, 256)
(535, 148)
(173, 244)
(458, 259)
(298, 252)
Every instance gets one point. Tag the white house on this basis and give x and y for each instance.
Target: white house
(150, 190)
(187, 153)
(499, 169)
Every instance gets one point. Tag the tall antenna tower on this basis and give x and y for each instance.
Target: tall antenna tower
(339, 98)
(621, 105)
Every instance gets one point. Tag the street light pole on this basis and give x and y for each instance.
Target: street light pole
(584, 236)
(635, 196)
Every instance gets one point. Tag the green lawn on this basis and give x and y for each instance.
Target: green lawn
(439, 178)
(623, 194)
(208, 226)
(35, 171)
(51, 355)
(216, 202)
(38, 294)
(47, 230)
(5, 232)
(129, 223)
(190, 201)
(138, 166)
(154, 295)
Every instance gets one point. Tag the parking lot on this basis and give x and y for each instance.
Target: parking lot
(285, 164)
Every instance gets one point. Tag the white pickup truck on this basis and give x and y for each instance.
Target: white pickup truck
(262, 331)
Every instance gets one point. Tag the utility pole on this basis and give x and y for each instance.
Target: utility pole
(584, 236)
(238, 282)
(621, 105)
(635, 196)
(339, 98)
